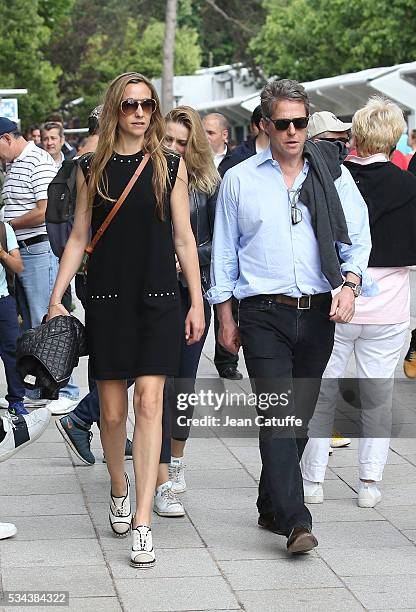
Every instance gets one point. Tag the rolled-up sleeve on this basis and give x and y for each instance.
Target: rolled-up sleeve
(224, 257)
(355, 255)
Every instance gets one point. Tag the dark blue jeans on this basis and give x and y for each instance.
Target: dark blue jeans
(9, 332)
(285, 348)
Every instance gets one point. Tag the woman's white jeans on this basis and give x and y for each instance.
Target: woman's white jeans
(377, 351)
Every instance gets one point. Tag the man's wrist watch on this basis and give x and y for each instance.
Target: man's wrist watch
(355, 287)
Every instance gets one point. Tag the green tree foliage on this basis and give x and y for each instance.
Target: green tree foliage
(23, 35)
(106, 57)
(310, 39)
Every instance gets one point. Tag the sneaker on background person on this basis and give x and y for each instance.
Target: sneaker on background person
(27, 402)
(338, 440)
(16, 432)
(17, 408)
(177, 474)
(62, 405)
(166, 503)
(78, 439)
(7, 530)
(368, 494)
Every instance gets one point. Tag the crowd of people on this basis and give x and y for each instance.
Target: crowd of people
(297, 238)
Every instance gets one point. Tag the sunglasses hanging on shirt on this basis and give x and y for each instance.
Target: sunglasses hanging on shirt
(296, 213)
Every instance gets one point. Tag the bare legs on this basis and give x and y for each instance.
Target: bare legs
(147, 441)
(147, 438)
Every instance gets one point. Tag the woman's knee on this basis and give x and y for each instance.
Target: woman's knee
(112, 419)
(148, 404)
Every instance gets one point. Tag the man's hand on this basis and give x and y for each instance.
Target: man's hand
(229, 337)
(343, 306)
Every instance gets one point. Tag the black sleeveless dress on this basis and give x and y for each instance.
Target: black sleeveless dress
(133, 321)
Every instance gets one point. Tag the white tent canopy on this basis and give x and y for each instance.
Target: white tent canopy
(345, 93)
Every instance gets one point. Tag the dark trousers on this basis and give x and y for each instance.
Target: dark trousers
(9, 332)
(223, 358)
(189, 361)
(285, 350)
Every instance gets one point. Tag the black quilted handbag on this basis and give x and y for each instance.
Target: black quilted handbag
(46, 355)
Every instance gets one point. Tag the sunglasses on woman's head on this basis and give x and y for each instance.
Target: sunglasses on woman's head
(300, 123)
(130, 106)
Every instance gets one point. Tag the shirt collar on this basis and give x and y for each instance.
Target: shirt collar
(266, 155)
(223, 154)
(28, 149)
(371, 159)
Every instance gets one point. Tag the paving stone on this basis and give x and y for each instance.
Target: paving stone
(167, 533)
(394, 474)
(92, 581)
(403, 517)
(342, 510)
(385, 592)
(27, 467)
(297, 572)
(398, 496)
(344, 457)
(38, 485)
(365, 534)
(171, 563)
(36, 505)
(299, 600)
(72, 526)
(175, 594)
(41, 553)
(411, 534)
(371, 562)
(218, 479)
(81, 604)
(40, 450)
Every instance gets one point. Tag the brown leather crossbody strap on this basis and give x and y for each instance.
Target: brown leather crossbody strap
(90, 248)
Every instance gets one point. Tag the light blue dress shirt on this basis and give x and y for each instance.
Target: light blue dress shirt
(256, 248)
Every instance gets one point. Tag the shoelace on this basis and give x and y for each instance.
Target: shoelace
(11, 418)
(121, 510)
(140, 539)
(412, 356)
(174, 471)
(170, 496)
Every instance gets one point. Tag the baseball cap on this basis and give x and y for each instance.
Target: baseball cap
(325, 121)
(7, 126)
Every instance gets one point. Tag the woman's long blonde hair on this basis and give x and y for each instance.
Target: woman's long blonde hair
(202, 173)
(153, 141)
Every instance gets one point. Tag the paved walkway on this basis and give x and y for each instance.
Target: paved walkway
(215, 558)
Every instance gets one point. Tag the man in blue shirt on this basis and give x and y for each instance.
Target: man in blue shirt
(280, 214)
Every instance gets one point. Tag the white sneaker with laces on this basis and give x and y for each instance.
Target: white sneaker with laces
(368, 495)
(21, 430)
(7, 530)
(62, 406)
(177, 475)
(313, 492)
(27, 402)
(142, 551)
(166, 502)
(120, 514)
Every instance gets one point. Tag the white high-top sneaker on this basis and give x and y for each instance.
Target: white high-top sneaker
(368, 494)
(120, 514)
(177, 475)
(21, 430)
(166, 503)
(142, 552)
(313, 492)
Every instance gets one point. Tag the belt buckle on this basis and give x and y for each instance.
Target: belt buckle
(303, 297)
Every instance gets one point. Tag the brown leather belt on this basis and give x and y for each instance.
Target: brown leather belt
(306, 302)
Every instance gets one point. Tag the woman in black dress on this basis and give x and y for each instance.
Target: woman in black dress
(132, 310)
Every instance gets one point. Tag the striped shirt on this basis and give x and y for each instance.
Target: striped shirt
(26, 182)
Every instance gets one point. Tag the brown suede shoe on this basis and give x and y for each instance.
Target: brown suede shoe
(301, 540)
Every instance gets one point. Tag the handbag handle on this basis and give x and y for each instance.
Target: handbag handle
(90, 248)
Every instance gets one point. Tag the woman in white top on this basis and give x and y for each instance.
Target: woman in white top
(378, 329)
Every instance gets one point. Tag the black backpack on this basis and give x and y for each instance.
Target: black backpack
(9, 273)
(62, 199)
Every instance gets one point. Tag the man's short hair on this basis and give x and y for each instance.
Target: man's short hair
(223, 121)
(378, 126)
(256, 116)
(53, 125)
(282, 89)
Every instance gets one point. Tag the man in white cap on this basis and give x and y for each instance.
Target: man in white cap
(324, 125)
